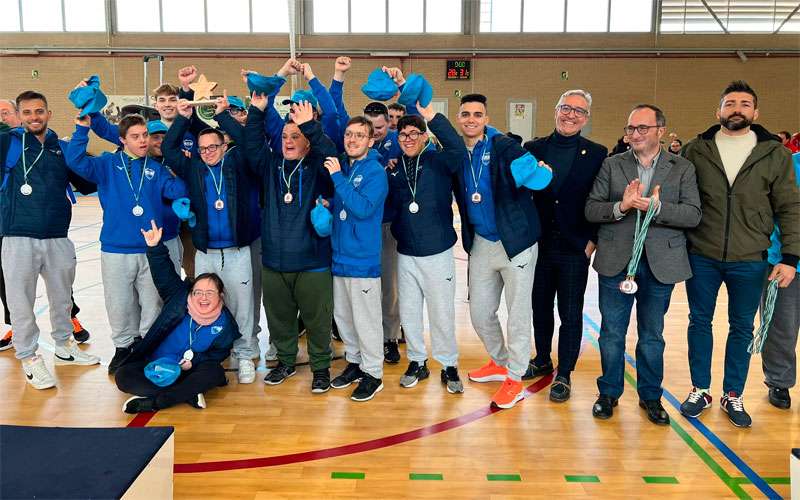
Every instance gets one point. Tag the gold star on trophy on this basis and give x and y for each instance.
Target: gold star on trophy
(202, 88)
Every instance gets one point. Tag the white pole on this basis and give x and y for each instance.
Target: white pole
(292, 24)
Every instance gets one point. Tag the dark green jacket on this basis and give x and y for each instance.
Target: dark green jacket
(738, 220)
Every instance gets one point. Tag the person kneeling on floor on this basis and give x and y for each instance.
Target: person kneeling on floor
(181, 356)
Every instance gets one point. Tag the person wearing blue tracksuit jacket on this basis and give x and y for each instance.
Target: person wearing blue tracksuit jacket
(131, 187)
(421, 193)
(224, 198)
(360, 189)
(499, 229)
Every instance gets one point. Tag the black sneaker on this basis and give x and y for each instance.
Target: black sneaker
(367, 388)
(402, 339)
(350, 374)
(80, 333)
(733, 405)
(560, 390)
(535, 370)
(414, 374)
(119, 356)
(391, 353)
(278, 374)
(655, 411)
(695, 403)
(321, 381)
(139, 404)
(779, 398)
(604, 407)
(451, 379)
(198, 401)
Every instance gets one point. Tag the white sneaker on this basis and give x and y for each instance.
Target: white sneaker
(37, 374)
(247, 371)
(71, 354)
(272, 353)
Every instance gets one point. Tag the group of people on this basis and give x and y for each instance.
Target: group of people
(348, 221)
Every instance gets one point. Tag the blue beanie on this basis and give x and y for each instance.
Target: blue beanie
(162, 372)
(235, 102)
(89, 99)
(302, 95)
(181, 208)
(321, 219)
(267, 85)
(379, 86)
(416, 89)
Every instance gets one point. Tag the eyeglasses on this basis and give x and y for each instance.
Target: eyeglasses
(409, 136)
(209, 294)
(357, 135)
(210, 149)
(566, 109)
(642, 129)
(236, 111)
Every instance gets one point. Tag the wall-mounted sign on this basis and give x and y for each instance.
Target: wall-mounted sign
(458, 69)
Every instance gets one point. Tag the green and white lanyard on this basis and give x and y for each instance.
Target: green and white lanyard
(476, 196)
(288, 197)
(628, 285)
(137, 210)
(219, 204)
(26, 188)
(413, 207)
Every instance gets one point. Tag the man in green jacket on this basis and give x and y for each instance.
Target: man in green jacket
(746, 180)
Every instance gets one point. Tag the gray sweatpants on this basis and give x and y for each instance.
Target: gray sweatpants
(233, 265)
(779, 357)
(431, 279)
(491, 272)
(357, 311)
(23, 260)
(175, 248)
(132, 301)
(389, 300)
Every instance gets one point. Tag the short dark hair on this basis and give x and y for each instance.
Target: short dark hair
(661, 119)
(130, 121)
(397, 107)
(411, 121)
(740, 86)
(213, 277)
(785, 133)
(678, 141)
(31, 95)
(376, 109)
(474, 98)
(208, 131)
(362, 120)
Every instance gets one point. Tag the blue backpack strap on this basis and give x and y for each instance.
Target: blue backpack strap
(13, 153)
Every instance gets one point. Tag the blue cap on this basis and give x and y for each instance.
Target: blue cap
(235, 102)
(417, 89)
(181, 207)
(321, 219)
(162, 372)
(302, 95)
(379, 86)
(89, 99)
(261, 84)
(156, 127)
(527, 172)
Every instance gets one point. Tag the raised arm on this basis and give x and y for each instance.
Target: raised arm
(90, 168)
(453, 149)
(172, 147)
(166, 280)
(104, 129)
(257, 150)
(226, 122)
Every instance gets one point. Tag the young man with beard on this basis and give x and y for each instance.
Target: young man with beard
(499, 230)
(360, 189)
(746, 179)
(421, 190)
(296, 273)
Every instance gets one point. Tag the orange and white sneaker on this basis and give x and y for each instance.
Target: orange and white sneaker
(5, 342)
(490, 372)
(78, 331)
(509, 393)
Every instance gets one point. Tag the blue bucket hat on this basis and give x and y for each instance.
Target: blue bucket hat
(416, 89)
(379, 86)
(301, 95)
(321, 219)
(162, 372)
(527, 172)
(267, 85)
(235, 102)
(89, 99)
(156, 127)
(181, 207)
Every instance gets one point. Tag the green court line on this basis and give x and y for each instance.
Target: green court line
(660, 480)
(689, 440)
(582, 479)
(503, 477)
(425, 477)
(768, 480)
(347, 475)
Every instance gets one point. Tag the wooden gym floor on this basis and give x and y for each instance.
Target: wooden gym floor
(255, 441)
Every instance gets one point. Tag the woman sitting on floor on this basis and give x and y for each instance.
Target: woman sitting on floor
(181, 356)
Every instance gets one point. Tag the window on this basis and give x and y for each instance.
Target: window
(9, 21)
(572, 16)
(228, 16)
(270, 16)
(386, 16)
(52, 15)
(202, 16)
(733, 16)
(187, 16)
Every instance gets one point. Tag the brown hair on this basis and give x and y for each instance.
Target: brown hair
(31, 95)
(165, 89)
(212, 277)
(130, 121)
(362, 120)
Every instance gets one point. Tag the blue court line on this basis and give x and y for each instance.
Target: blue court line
(712, 438)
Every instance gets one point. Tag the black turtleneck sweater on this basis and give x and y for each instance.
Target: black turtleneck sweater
(560, 156)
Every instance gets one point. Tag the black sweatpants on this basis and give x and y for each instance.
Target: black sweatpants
(201, 378)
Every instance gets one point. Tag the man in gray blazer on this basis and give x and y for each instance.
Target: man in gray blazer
(622, 189)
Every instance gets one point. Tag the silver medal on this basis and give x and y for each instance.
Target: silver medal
(188, 355)
(287, 198)
(413, 207)
(628, 286)
(138, 211)
(219, 204)
(476, 197)
(26, 189)
(343, 215)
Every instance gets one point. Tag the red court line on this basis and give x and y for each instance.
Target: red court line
(141, 419)
(349, 449)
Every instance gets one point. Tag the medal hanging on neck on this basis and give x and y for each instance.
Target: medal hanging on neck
(26, 189)
(484, 159)
(137, 210)
(219, 204)
(628, 285)
(288, 197)
(413, 207)
(343, 212)
(188, 354)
